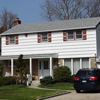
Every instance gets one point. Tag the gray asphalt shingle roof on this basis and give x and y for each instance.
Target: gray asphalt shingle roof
(54, 26)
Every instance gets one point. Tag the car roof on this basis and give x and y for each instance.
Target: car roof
(92, 69)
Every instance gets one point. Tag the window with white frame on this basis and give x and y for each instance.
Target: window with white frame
(44, 37)
(46, 65)
(79, 34)
(67, 62)
(70, 35)
(85, 63)
(12, 39)
(76, 65)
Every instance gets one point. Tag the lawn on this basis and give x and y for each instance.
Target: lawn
(17, 92)
(62, 86)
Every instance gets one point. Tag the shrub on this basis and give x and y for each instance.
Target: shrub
(47, 80)
(1, 69)
(7, 80)
(62, 74)
(72, 78)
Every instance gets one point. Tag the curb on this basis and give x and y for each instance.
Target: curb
(53, 96)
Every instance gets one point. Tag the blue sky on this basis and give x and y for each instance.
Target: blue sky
(28, 10)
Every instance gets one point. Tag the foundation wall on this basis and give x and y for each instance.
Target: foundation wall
(93, 63)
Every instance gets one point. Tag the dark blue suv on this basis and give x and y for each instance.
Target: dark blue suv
(87, 79)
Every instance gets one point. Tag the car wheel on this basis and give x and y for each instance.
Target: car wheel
(77, 91)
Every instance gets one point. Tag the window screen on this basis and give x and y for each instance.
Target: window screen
(44, 36)
(85, 63)
(46, 66)
(76, 65)
(67, 62)
(12, 39)
(78, 34)
(70, 35)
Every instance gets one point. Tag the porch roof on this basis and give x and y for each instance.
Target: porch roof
(34, 56)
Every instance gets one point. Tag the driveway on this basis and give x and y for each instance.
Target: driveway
(78, 96)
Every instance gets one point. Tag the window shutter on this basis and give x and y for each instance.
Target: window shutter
(16, 39)
(84, 34)
(49, 37)
(7, 40)
(64, 36)
(39, 38)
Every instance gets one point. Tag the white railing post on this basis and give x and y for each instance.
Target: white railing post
(30, 66)
(51, 67)
(12, 67)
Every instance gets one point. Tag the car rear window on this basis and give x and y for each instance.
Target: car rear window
(85, 73)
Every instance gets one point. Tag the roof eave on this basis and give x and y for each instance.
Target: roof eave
(91, 27)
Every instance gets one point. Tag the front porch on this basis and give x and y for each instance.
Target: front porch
(39, 65)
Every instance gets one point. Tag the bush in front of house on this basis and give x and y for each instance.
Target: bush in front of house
(47, 80)
(72, 78)
(7, 80)
(62, 74)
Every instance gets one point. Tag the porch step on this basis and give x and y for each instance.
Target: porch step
(35, 83)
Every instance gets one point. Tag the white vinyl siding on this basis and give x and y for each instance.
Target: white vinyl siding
(65, 49)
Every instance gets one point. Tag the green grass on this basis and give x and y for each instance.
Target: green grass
(62, 86)
(19, 92)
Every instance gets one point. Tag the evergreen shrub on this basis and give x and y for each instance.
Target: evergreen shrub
(47, 80)
(7, 80)
(62, 74)
(72, 78)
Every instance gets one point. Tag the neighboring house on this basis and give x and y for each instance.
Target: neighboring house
(73, 43)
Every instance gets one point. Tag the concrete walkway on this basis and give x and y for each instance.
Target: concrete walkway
(72, 95)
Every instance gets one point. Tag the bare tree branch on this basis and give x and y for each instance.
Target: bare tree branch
(70, 9)
(6, 19)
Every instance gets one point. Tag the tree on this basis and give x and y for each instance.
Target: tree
(6, 19)
(21, 67)
(70, 9)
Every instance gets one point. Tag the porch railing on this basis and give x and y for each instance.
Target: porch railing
(29, 79)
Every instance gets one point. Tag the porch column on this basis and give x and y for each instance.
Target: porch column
(51, 67)
(30, 66)
(12, 67)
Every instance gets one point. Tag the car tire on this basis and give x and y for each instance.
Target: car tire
(77, 91)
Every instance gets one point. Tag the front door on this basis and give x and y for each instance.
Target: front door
(43, 68)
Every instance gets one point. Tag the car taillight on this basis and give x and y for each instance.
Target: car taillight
(93, 78)
(76, 78)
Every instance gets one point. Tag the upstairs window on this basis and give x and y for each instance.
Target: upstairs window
(74, 35)
(70, 35)
(44, 37)
(78, 34)
(12, 39)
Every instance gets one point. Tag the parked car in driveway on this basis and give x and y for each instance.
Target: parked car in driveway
(87, 79)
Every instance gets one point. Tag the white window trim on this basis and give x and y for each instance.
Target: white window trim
(72, 67)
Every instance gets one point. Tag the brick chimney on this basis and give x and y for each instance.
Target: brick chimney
(16, 21)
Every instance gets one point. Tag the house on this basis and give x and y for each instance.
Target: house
(73, 43)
